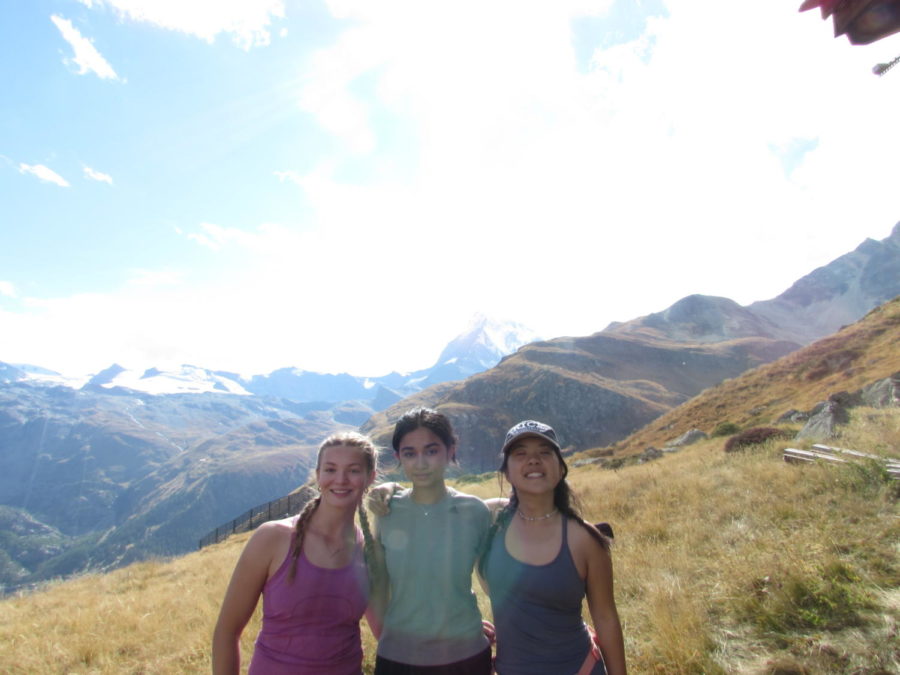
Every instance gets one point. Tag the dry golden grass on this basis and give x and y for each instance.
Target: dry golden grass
(150, 617)
(724, 564)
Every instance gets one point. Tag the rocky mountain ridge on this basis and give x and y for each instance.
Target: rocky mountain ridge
(837, 294)
(860, 355)
(598, 388)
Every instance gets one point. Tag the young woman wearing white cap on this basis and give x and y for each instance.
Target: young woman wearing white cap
(540, 561)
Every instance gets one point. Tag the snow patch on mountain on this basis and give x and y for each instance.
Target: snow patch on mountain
(185, 380)
(24, 372)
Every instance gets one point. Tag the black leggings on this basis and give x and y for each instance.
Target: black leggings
(480, 664)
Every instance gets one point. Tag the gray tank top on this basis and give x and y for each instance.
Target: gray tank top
(537, 612)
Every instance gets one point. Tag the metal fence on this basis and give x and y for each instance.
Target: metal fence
(279, 508)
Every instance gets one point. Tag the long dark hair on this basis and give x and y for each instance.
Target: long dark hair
(564, 499)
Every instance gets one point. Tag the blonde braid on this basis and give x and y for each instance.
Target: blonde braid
(374, 564)
(302, 522)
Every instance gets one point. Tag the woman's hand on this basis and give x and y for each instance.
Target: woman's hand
(489, 631)
(379, 499)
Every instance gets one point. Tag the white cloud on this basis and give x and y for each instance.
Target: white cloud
(87, 58)
(7, 289)
(246, 21)
(204, 240)
(44, 173)
(155, 278)
(289, 176)
(215, 237)
(93, 174)
(649, 166)
(308, 308)
(536, 190)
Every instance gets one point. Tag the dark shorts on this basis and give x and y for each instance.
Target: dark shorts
(480, 664)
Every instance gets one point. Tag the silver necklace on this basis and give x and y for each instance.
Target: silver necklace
(531, 519)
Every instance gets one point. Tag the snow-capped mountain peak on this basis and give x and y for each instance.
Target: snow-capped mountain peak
(484, 342)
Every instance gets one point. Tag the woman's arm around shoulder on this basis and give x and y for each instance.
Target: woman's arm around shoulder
(598, 568)
(246, 585)
(379, 499)
(496, 504)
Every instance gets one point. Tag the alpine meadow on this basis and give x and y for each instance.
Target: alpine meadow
(731, 562)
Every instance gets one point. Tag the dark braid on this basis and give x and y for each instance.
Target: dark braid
(302, 522)
(503, 517)
(567, 503)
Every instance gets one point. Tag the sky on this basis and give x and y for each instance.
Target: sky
(339, 185)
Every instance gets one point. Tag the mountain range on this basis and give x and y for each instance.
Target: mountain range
(483, 342)
(603, 387)
(128, 464)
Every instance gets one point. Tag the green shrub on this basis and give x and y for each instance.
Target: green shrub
(474, 478)
(725, 429)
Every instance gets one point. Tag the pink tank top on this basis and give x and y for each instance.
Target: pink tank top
(310, 625)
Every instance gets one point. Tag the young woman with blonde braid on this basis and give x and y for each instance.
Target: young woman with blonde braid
(312, 571)
(541, 561)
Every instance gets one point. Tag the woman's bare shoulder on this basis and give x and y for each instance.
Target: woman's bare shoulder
(272, 532)
(584, 537)
(281, 524)
(495, 505)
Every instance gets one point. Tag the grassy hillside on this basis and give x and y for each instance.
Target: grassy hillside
(734, 563)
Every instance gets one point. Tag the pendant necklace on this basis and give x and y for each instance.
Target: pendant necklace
(531, 519)
(426, 508)
(339, 550)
